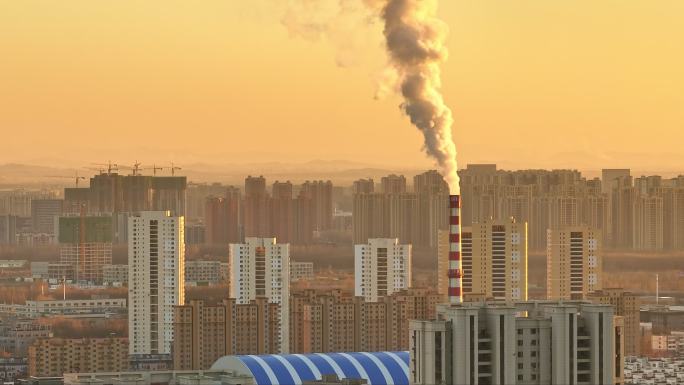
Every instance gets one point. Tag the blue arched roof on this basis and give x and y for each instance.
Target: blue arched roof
(378, 368)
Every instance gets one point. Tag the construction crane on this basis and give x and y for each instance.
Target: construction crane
(174, 168)
(109, 166)
(77, 178)
(136, 168)
(155, 168)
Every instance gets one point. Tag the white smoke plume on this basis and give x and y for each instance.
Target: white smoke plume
(415, 43)
(341, 22)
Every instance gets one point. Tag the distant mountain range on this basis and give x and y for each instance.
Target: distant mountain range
(341, 172)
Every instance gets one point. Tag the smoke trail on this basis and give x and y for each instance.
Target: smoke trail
(414, 39)
(415, 43)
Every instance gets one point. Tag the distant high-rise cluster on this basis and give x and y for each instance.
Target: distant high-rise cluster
(412, 217)
(293, 215)
(645, 213)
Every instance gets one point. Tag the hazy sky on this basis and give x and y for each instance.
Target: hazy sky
(532, 83)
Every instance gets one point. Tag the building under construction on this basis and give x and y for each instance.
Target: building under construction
(85, 243)
(110, 192)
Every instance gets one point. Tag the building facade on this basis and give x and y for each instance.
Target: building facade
(337, 322)
(381, 267)
(528, 343)
(574, 266)
(203, 334)
(156, 279)
(494, 260)
(626, 305)
(301, 270)
(55, 356)
(115, 274)
(204, 272)
(260, 267)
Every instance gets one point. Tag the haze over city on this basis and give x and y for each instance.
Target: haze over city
(341, 192)
(534, 84)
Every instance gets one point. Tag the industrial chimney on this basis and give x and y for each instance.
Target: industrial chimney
(455, 273)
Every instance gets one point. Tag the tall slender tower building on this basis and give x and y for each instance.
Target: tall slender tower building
(260, 268)
(574, 266)
(156, 279)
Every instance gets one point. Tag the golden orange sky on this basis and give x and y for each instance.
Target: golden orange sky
(532, 83)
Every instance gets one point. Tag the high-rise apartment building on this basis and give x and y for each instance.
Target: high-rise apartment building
(222, 218)
(156, 279)
(8, 229)
(18, 202)
(363, 186)
(648, 222)
(43, 214)
(494, 260)
(282, 211)
(111, 192)
(381, 267)
(627, 306)
(611, 176)
(256, 220)
(86, 249)
(574, 266)
(320, 194)
(260, 267)
(529, 343)
(393, 184)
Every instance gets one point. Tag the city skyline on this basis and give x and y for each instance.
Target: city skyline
(380, 192)
(145, 84)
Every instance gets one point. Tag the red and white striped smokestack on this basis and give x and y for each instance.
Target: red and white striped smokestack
(455, 273)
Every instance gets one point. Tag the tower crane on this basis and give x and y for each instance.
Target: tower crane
(76, 178)
(174, 168)
(109, 166)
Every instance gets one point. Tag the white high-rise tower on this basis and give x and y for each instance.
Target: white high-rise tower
(381, 267)
(260, 267)
(156, 279)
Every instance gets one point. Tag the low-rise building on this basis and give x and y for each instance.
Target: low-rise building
(203, 272)
(301, 270)
(35, 309)
(16, 335)
(12, 369)
(12, 263)
(115, 274)
(158, 377)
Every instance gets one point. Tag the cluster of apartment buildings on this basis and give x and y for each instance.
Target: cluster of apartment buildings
(648, 371)
(414, 217)
(291, 214)
(642, 213)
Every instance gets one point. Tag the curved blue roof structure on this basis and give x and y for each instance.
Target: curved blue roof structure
(378, 368)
